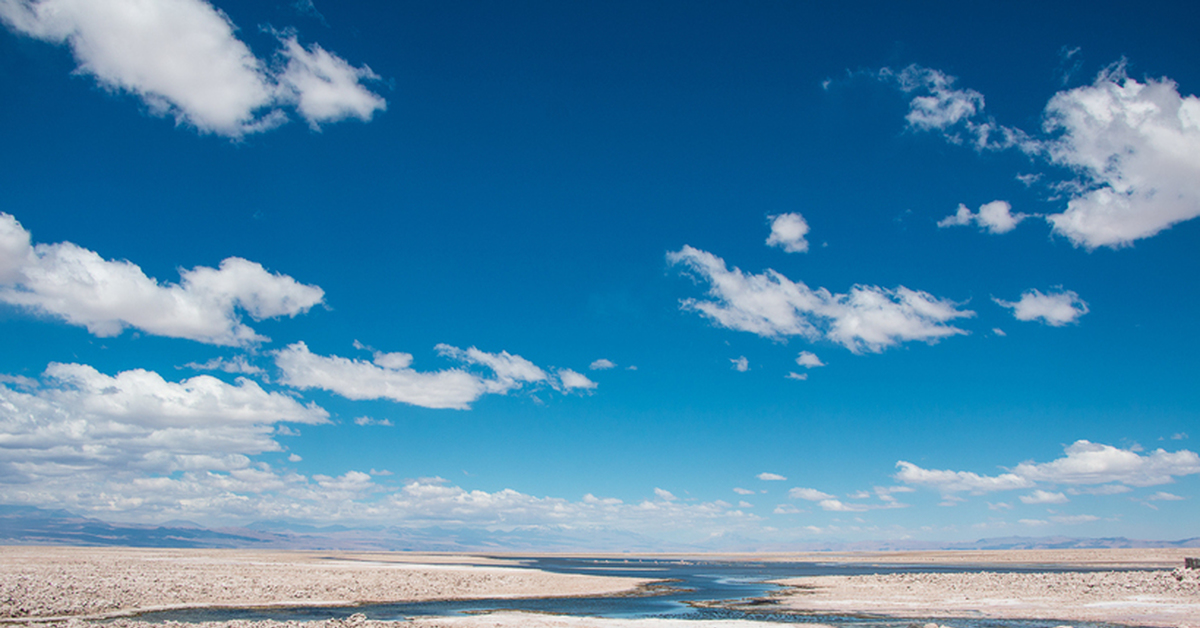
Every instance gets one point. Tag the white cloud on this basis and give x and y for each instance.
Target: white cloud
(237, 364)
(1034, 523)
(787, 233)
(1043, 497)
(602, 365)
(1164, 496)
(943, 106)
(939, 106)
(80, 287)
(885, 493)
(1179, 436)
(366, 420)
(801, 377)
(743, 491)
(1136, 147)
(134, 447)
(1055, 308)
(786, 509)
(324, 87)
(993, 217)
(664, 495)
(183, 59)
(82, 421)
(810, 494)
(569, 380)
(258, 492)
(770, 305)
(809, 360)
(770, 477)
(1085, 463)
(392, 379)
(1093, 463)
(511, 371)
(740, 364)
(959, 481)
(391, 376)
(999, 506)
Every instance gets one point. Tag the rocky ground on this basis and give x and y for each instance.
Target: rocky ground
(1144, 598)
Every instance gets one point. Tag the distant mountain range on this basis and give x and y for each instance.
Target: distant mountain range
(25, 525)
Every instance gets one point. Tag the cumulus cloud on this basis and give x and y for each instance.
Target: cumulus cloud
(390, 376)
(602, 365)
(324, 87)
(182, 58)
(258, 491)
(1136, 147)
(958, 481)
(743, 491)
(869, 318)
(787, 233)
(105, 296)
(569, 380)
(1112, 469)
(511, 371)
(800, 377)
(1055, 308)
(1093, 463)
(82, 421)
(809, 360)
(740, 364)
(1043, 497)
(770, 477)
(810, 494)
(993, 217)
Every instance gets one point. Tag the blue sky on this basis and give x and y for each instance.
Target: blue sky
(765, 271)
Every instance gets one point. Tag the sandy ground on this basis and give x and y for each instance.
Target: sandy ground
(58, 587)
(59, 582)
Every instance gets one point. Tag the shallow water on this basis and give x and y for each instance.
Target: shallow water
(692, 585)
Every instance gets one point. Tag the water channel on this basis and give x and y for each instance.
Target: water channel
(692, 588)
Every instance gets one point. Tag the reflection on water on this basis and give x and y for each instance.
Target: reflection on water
(695, 589)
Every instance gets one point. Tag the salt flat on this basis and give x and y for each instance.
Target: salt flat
(65, 585)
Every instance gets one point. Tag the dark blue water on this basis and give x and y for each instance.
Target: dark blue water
(693, 589)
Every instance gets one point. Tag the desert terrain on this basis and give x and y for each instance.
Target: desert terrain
(69, 587)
